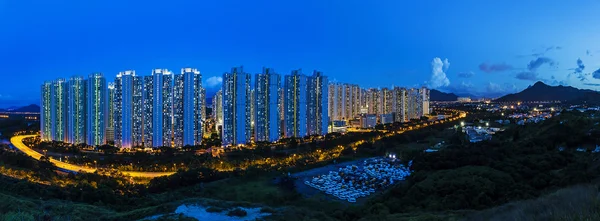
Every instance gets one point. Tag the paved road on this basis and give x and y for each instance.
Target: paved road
(17, 141)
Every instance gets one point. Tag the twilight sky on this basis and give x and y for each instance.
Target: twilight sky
(478, 47)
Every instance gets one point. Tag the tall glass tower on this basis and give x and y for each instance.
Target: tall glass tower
(137, 111)
(236, 109)
(295, 104)
(162, 90)
(187, 109)
(148, 110)
(46, 112)
(317, 105)
(202, 115)
(399, 103)
(266, 107)
(217, 106)
(124, 109)
(110, 119)
(59, 110)
(96, 109)
(76, 110)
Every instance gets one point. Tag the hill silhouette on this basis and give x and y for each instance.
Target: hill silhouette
(543, 92)
(435, 95)
(28, 108)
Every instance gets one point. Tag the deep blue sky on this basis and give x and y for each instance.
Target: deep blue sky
(493, 47)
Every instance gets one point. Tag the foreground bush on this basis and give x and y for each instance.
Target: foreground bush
(237, 212)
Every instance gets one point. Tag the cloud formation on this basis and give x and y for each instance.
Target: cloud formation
(527, 76)
(552, 81)
(545, 50)
(580, 66)
(596, 74)
(578, 71)
(489, 68)
(467, 74)
(438, 76)
(592, 84)
(461, 89)
(536, 63)
(446, 64)
(497, 90)
(214, 81)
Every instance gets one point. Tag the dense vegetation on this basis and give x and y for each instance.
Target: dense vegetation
(523, 162)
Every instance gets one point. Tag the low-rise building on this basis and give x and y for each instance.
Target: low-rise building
(368, 120)
(387, 118)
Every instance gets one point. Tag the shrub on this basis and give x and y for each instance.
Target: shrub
(213, 209)
(237, 212)
(268, 210)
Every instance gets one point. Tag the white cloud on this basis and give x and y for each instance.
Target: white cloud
(213, 82)
(446, 64)
(438, 76)
(497, 89)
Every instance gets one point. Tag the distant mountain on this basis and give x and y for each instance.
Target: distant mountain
(543, 92)
(589, 98)
(465, 94)
(435, 95)
(28, 108)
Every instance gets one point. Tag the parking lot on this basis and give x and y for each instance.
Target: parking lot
(351, 181)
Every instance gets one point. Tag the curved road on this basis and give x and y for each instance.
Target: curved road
(17, 141)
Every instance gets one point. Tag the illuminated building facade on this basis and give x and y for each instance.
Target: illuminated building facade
(317, 104)
(266, 108)
(373, 101)
(169, 110)
(110, 119)
(399, 104)
(424, 100)
(128, 110)
(162, 107)
(58, 110)
(187, 108)
(386, 101)
(236, 107)
(147, 110)
(217, 106)
(295, 104)
(97, 98)
(46, 112)
(76, 111)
